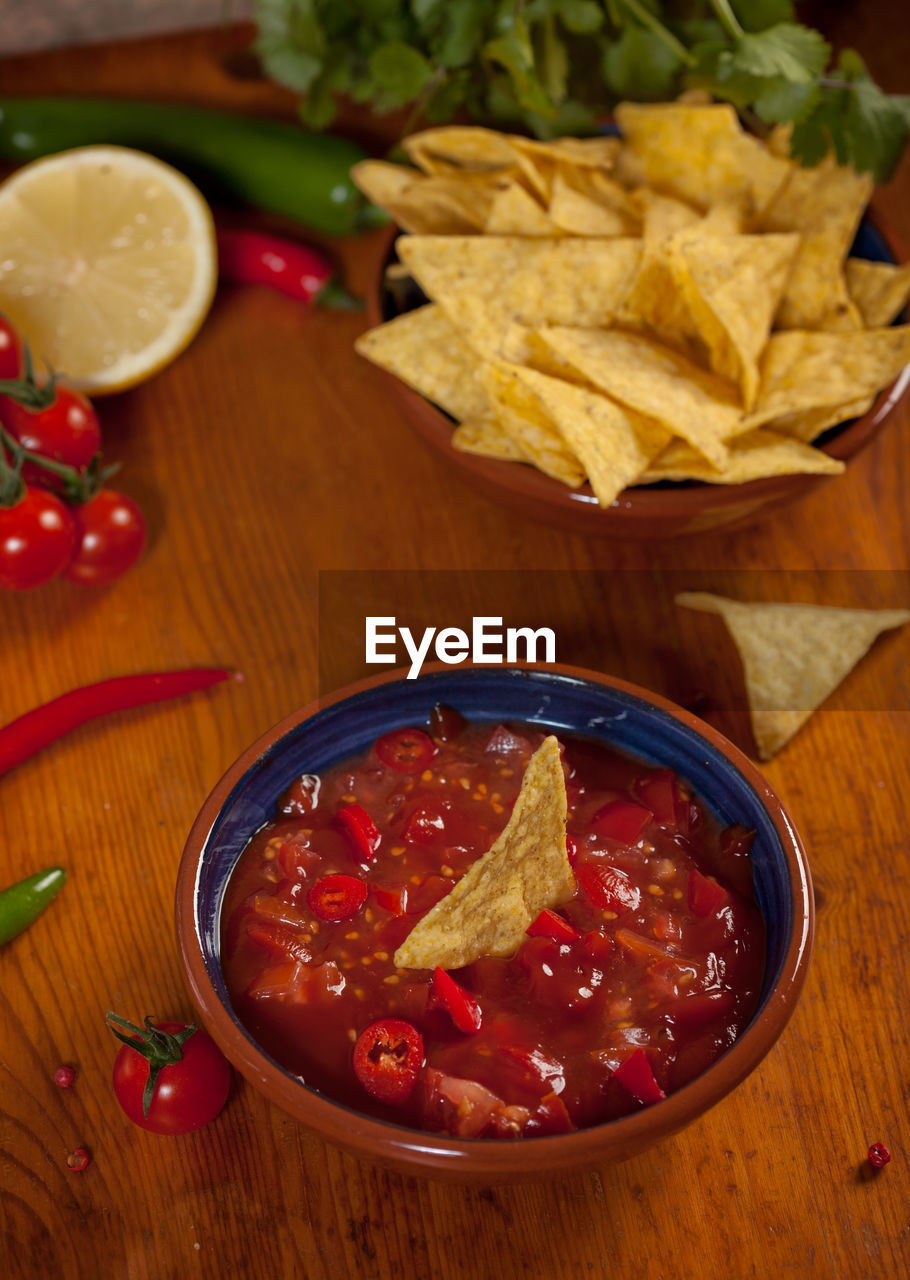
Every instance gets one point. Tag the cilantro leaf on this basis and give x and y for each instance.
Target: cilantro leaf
(787, 50)
(513, 51)
(640, 64)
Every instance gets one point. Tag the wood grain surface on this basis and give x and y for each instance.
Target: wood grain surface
(286, 496)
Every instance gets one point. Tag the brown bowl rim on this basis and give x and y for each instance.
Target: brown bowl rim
(519, 483)
(494, 1160)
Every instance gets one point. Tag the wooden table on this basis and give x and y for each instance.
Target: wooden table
(269, 462)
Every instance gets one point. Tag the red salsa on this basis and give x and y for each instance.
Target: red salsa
(613, 1000)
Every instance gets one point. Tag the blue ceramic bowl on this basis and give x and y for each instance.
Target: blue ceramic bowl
(558, 698)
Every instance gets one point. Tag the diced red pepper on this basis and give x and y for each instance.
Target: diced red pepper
(336, 897)
(621, 820)
(360, 827)
(459, 1004)
(705, 896)
(636, 1076)
(407, 750)
(608, 887)
(391, 897)
(548, 924)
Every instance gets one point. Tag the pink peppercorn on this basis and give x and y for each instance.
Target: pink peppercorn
(78, 1160)
(64, 1076)
(878, 1155)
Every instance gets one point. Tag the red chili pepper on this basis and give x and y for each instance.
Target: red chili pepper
(878, 1155)
(407, 750)
(704, 895)
(388, 1056)
(362, 830)
(36, 729)
(336, 897)
(548, 924)
(289, 267)
(459, 1004)
(635, 1074)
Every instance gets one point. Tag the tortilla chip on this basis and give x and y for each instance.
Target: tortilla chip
(800, 370)
(655, 382)
(824, 204)
(580, 213)
(515, 212)
(534, 433)
(459, 147)
(488, 438)
(525, 871)
(697, 153)
(487, 283)
(389, 186)
(423, 349)
(613, 444)
(879, 290)
(809, 424)
(793, 656)
(732, 286)
(752, 456)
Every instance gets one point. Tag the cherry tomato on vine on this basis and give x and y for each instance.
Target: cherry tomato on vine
(190, 1077)
(66, 431)
(10, 351)
(110, 537)
(37, 539)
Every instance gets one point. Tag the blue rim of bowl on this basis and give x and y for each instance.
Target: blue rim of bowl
(696, 751)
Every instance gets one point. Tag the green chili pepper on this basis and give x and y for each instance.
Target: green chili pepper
(269, 164)
(23, 902)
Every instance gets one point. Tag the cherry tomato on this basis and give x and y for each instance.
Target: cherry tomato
(110, 537)
(37, 537)
(10, 351)
(336, 897)
(388, 1056)
(188, 1093)
(66, 431)
(406, 750)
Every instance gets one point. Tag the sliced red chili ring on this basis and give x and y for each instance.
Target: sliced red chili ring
(362, 830)
(550, 925)
(636, 1076)
(459, 1004)
(336, 897)
(388, 1056)
(407, 750)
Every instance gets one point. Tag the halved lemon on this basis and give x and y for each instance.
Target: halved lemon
(108, 263)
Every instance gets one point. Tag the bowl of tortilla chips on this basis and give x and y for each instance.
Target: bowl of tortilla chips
(641, 335)
(554, 700)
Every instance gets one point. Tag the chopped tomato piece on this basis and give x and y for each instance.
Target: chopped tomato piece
(279, 911)
(503, 741)
(388, 1056)
(360, 827)
(636, 1076)
(608, 887)
(646, 948)
(459, 1004)
(446, 723)
(407, 750)
(736, 840)
(659, 792)
(336, 897)
(706, 897)
(622, 820)
(391, 897)
(278, 982)
(427, 894)
(597, 945)
(551, 1116)
(550, 925)
(302, 796)
(425, 825)
(296, 858)
(280, 939)
(464, 1108)
(701, 1006)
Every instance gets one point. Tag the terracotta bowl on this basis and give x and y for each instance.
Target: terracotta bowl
(564, 699)
(644, 512)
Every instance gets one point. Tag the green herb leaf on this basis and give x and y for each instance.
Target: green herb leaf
(756, 15)
(782, 102)
(639, 64)
(581, 17)
(513, 51)
(787, 50)
(463, 29)
(400, 72)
